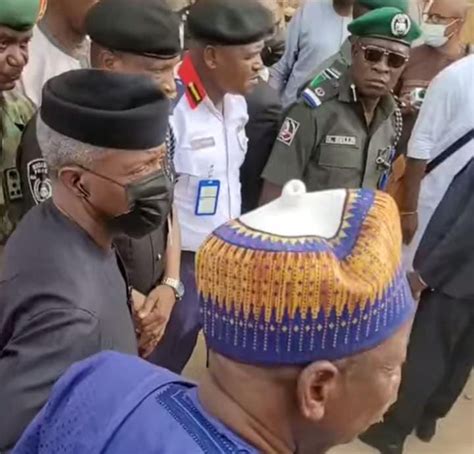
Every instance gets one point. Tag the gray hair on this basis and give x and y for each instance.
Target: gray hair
(59, 150)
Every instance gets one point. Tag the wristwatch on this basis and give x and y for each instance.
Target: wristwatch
(176, 285)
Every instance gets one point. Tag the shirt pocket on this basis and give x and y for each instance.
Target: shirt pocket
(197, 157)
(340, 166)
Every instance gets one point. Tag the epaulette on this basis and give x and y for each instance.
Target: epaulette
(326, 90)
(193, 87)
(325, 85)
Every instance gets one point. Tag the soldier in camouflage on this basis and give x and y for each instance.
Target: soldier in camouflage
(17, 18)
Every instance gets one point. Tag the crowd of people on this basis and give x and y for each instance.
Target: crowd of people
(301, 193)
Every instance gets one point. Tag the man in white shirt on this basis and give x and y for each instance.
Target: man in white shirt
(316, 32)
(441, 344)
(222, 65)
(445, 120)
(59, 44)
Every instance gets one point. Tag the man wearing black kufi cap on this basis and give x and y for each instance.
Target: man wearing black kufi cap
(63, 291)
(141, 37)
(222, 65)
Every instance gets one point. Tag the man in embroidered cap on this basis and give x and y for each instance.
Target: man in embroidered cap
(63, 291)
(344, 132)
(222, 65)
(17, 18)
(306, 312)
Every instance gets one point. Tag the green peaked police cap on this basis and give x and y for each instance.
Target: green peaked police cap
(21, 15)
(386, 23)
(374, 4)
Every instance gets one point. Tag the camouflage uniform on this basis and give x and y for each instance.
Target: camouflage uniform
(15, 112)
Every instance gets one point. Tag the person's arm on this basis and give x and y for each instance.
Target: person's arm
(173, 250)
(410, 191)
(291, 151)
(40, 349)
(281, 71)
(427, 133)
(155, 312)
(452, 253)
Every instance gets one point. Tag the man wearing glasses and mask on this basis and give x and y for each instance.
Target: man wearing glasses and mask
(345, 133)
(63, 291)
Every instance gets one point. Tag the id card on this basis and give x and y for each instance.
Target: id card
(207, 197)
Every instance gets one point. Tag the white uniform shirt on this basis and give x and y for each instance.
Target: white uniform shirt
(46, 60)
(447, 114)
(209, 145)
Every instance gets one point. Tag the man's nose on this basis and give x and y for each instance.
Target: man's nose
(258, 64)
(169, 88)
(16, 57)
(382, 65)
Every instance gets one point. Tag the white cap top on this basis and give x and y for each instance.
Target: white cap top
(299, 213)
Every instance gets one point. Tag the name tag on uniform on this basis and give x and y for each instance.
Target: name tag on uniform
(207, 197)
(341, 140)
(205, 142)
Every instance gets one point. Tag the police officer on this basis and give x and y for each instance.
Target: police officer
(343, 58)
(222, 65)
(17, 18)
(344, 133)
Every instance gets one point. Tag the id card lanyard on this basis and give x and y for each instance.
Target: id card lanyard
(207, 196)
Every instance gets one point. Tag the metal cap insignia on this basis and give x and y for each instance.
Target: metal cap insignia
(401, 24)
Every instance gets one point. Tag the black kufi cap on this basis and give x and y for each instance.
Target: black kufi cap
(106, 109)
(229, 22)
(143, 27)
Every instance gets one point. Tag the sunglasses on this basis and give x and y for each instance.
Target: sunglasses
(374, 54)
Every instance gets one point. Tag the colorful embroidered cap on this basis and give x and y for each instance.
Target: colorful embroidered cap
(21, 15)
(311, 276)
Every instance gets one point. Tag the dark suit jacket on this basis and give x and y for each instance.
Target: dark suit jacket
(445, 257)
(265, 112)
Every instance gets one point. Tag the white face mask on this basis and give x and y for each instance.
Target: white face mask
(435, 34)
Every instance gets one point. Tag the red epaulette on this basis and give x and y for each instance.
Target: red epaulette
(195, 91)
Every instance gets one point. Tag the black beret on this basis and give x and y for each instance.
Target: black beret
(229, 22)
(143, 27)
(106, 109)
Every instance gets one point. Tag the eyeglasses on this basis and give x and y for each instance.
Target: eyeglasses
(438, 19)
(374, 54)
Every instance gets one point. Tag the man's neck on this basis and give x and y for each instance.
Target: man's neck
(264, 433)
(212, 91)
(343, 8)
(453, 49)
(77, 213)
(369, 105)
(70, 40)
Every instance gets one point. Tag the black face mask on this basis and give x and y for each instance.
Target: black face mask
(149, 201)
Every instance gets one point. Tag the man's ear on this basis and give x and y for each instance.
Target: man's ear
(72, 178)
(315, 385)
(354, 46)
(210, 57)
(107, 60)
